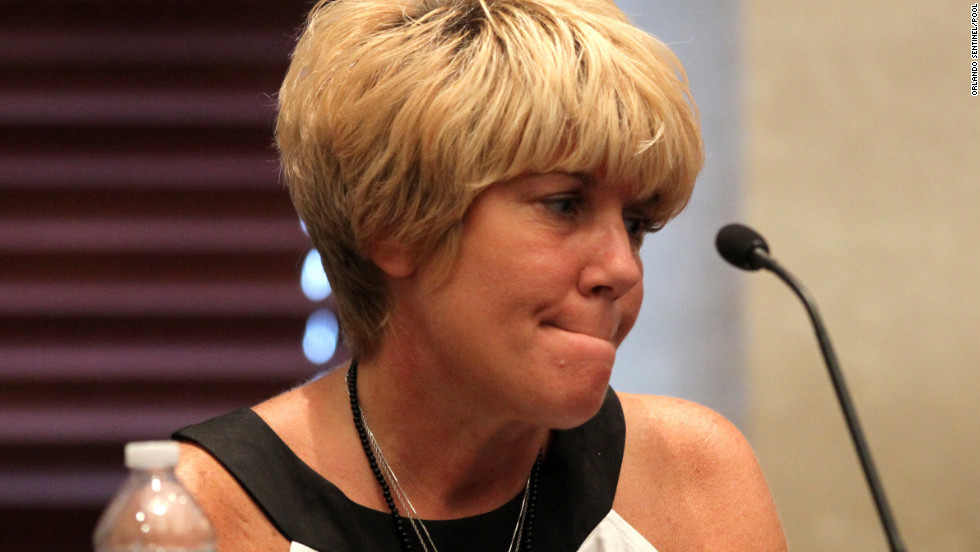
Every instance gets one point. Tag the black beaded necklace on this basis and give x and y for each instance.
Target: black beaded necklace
(525, 526)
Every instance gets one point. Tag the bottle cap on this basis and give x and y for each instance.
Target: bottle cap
(144, 455)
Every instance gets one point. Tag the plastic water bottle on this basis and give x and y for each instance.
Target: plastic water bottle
(152, 511)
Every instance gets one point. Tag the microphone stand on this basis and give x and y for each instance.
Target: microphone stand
(895, 543)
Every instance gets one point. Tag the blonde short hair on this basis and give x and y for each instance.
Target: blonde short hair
(395, 114)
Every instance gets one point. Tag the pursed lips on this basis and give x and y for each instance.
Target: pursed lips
(593, 332)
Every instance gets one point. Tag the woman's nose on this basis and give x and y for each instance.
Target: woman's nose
(613, 265)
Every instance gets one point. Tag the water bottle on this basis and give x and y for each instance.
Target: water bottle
(152, 511)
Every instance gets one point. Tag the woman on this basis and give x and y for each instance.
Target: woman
(478, 176)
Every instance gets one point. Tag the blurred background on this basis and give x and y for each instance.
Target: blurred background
(153, 272)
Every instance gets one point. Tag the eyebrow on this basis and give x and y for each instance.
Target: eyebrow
(586, 179)
(589, 180)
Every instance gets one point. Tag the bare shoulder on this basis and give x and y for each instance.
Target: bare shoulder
(676, 430)
(690, 480)
(238, 522)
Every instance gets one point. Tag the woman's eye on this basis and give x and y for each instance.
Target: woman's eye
(565, 206)
(639, 227)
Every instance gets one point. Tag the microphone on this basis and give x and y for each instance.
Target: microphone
(744, 248)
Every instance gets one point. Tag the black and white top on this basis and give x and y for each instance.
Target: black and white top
(573, 510)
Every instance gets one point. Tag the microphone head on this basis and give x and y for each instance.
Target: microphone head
(741, 246)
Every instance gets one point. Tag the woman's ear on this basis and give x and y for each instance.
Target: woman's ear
(394, 258)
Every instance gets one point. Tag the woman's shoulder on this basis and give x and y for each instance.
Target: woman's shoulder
(685, 445)
(676, 429)
(238, 522)
(690, 479)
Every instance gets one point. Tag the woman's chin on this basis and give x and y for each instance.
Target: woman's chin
(583, 398)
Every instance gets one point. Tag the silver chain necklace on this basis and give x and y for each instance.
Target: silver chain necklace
(418, 526)
(384, 474)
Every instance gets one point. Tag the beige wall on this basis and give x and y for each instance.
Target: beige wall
(863, 169)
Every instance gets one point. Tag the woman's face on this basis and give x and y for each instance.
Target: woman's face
(547, 283)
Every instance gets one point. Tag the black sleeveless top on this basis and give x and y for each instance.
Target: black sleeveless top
(576, 487)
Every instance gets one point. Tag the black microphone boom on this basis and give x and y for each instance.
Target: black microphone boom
(744, 248)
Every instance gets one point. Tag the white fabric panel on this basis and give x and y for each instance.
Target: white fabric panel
(614, 534)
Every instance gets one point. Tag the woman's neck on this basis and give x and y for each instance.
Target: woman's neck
(451, 458)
